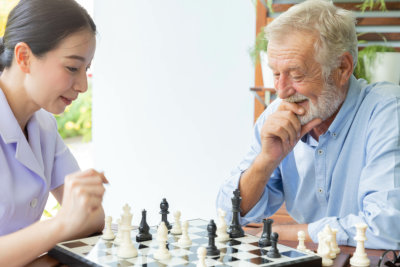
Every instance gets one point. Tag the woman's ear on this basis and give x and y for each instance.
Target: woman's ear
(22, 56)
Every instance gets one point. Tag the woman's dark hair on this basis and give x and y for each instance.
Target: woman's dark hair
(42, 24)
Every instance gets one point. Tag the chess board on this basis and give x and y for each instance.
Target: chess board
(244, 251)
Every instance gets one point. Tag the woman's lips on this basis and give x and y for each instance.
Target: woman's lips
(66, 100)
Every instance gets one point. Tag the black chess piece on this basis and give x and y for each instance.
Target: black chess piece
(235, 230)
(144, 229)
(164, 213)
(212, 250)
(265, 239)
(273, 252)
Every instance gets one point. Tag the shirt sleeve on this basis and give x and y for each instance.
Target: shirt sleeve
(64, 164)
(272, 197)
(379, 189)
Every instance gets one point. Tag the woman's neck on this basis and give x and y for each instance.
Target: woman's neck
(12, 85)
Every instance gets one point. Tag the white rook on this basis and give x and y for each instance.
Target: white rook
(360, 258)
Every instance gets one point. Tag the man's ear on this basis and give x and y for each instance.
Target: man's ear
(345, 68)
(23, 56)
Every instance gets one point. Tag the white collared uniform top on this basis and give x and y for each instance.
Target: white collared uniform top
(29, 170)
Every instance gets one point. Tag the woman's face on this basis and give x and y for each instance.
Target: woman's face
(56, 78)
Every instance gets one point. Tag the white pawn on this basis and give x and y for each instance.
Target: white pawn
(201, 254)
(301, 236)
(118, 238)
(162, 252)
(185, 241)
(126, 249)
(335, 246)
(176, 229)
(222, 235)
(324, 249)
(360, 258)
(108, 233)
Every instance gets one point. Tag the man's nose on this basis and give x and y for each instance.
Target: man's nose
(284, 86)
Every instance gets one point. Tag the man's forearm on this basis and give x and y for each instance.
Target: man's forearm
(253, 181)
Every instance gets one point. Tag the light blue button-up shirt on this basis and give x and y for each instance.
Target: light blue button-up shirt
(29, 170)
(351, 175)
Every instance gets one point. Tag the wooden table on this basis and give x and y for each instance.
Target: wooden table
(342, 259)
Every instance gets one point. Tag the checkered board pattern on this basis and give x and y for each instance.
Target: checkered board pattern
(94, 251)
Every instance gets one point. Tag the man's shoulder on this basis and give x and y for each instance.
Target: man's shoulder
(382, 91)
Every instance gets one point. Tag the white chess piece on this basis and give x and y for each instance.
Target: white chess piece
(118, 238)
(328, 234)
(185, 241)
(222, 235)
(360, 258)
(126, 249)
(301, 236)
(176, 229)
(324, 249)
(162, 252)
(126, 217)
(108, 233)
(201, 254)
(335, 246)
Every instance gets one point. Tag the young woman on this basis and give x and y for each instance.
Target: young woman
(47, 47)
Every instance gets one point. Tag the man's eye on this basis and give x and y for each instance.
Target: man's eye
(72, 69)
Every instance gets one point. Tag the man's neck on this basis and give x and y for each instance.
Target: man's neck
(324, 126)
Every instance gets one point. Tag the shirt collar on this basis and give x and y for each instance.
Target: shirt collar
(345, 116)
(11, 132)
(9, 128)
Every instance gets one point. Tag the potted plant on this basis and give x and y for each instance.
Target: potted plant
(258, 54)
(378, 63)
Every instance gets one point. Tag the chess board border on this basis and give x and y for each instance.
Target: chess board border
(75, 260)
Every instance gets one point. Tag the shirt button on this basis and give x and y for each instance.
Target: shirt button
(334, 134)
(34, 203)
(320, 190)
(320, 152)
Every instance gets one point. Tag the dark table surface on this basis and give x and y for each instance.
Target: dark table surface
(341, 260)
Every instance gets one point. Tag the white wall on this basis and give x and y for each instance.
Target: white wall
(172, 108)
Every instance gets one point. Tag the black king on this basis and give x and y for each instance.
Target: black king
(235, 229)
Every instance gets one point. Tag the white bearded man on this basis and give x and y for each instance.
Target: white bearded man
(329, 146)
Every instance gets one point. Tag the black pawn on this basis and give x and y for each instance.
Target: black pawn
(144, 229)
(164, 213)
(265, 239)
(212, 250)
(273, 252)
(235, 229)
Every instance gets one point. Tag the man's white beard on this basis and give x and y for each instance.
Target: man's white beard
(327, 103)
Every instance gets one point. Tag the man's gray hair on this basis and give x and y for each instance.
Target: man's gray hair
(334, 28)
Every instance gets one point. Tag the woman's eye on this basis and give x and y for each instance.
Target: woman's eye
(72, 69)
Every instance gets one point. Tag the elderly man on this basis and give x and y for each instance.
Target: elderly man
(329, 146)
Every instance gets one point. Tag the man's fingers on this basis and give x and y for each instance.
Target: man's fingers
(293, 107)
(309, 126)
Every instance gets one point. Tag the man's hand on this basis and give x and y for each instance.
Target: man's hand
(282, 130)
(279, 134)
